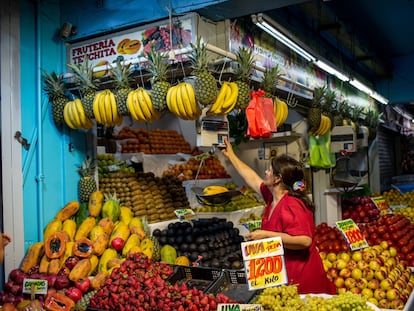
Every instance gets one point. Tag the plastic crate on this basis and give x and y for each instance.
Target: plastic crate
(201, 278)
(233, 284)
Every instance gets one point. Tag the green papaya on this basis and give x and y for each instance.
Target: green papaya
(111, 208)
(168, 254)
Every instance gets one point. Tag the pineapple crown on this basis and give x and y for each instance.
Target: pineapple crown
(244, 60)
(145, 226)
(330, 103)
(198, 57)
(158, 65)
(87, 168)
(121, 74)
(112, 197)
(53, 84)
(318, 96)
(83, 74)
(270, 79)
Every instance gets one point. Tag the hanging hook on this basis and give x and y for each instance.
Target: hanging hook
(18, 136)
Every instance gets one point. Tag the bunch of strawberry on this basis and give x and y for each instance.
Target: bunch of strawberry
(140, 284)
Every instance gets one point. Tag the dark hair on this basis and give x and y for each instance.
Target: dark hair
(291, 171)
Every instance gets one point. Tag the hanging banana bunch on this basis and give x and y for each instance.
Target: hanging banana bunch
(75, 117)
(182, 102)
(105, 109)
(140, 106)
(324, 126)
(226, 99)
(281, 111)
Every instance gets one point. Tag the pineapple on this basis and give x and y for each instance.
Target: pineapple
(315, 110)
(244, 68)
(55, 90)
(158, 66)
(270, 80)
(156, 255)
(87, 183)
(205, 85)
(330, 105)
(122, 76)
(87, 83)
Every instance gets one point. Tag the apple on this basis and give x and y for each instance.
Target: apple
(384, 245)
(373, 301)
(341, 290)
(392, 294)
(362, 283)
(340, 264)
(386, 284)
(367, 293)
(368, 255)
(383, 303)
(397, 304)
(326, 264)
(379, 294)
(381, 273)
(393, 251)
(374, 265)
(349, 283)
(357, 256)
(352, 264)
(368, 274)
(355, 290)
(345, 273)
(344, 256)
(332, 273)
(331, 256)
(362, 264)
(356, 273)
(339, 282)
(373, 284)
(400, 284)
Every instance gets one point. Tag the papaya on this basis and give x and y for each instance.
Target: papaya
(55, 245)
(99, 279)
(107, 225)
(136, 226)
(54, 266)
(85, 228)
(52, 226)
(95, 233)
(132, 241)
(33, 256)
(100, 245)
(182, 261)
(147, 247)
(80, 270)
(95, 203)
(125, 214)
(111, 208)
(168, 254)
(106, 256)
(83, 247)
(68, 252)
(94, 264)
(58, 302)
(134, 250)
(115, 262)
(44, 264)
(69, 210)
(121, 230)
(69, 226)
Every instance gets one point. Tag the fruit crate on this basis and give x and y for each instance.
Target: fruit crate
(201, 278)
(233, 284)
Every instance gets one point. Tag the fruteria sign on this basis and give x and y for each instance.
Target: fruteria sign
(264, 263)
(132, 44)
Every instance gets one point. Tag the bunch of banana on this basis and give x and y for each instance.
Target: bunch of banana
(105, 109)
(75, 117)
(226, 99)
(211, 190)
(281, 111)
(324, 126)
(181, 101)
(139, 104)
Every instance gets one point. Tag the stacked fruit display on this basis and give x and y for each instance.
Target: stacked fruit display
(107, 165)
(329, 239)
(208, 242)
(361, 209)
(147, 195)
(211, 168)
(375, 272)
(155, 141)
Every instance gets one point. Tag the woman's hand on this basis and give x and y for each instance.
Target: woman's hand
(260, 234)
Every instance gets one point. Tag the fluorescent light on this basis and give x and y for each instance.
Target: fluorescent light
(360, 86)
(329, 69)
(260, 21)
(379, 98)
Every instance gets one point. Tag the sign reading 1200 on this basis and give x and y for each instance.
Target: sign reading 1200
(264, 263)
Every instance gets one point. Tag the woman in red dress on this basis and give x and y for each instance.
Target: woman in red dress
(288, 214)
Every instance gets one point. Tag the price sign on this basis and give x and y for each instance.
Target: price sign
(381, 204)
(353, 236)
(264, 263)
(238, 307)
(39, 286)
(184, 214)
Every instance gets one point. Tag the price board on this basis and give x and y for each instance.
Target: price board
(264, 263)
(238, 307)
(34, 286)
(381, 204)
(185, 214)
(353, 236)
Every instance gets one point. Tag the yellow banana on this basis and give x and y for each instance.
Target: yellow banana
(169, 98)
(327, 125)
(231, 99)
(130, 105)
(96, 103)
(81, 113)
(74, 115)
(101, 106)
(191, 96)
(108, 108)
(114, 109)
(143, 104)
(66, 116)
(174, 104)
(137, 107)
(155, 114)
(227, 99)
(187, 104)
(279, 111)
(215, 107)
(321, 127)
(180, 101)
(285, 112)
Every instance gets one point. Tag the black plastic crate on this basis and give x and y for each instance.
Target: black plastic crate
(201, 278)
(233, 284)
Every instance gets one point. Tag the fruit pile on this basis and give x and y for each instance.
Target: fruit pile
(208, 242)
(108, 165)
(139, 284)
(329, 239)
(147, 195)
(376, 273)
(361, 209)
(157, 141)
(211, 168)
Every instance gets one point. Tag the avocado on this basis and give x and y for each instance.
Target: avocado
(202, 248)
(192, 247)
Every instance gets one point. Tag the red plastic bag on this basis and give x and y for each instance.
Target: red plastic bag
(260, 116)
